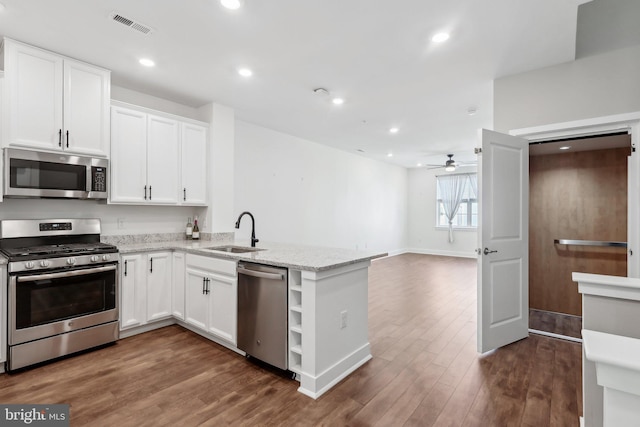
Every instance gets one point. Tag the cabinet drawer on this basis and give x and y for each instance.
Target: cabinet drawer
(214, 265)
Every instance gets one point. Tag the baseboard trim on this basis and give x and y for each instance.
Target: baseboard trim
(156, 324)
(315, 387)
(457, 254)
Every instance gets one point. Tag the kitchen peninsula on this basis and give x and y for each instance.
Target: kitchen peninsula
(327, 299)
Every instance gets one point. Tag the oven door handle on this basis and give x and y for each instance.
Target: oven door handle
(62, 274)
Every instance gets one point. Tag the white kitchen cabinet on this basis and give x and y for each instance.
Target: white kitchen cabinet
(145, 288)
(133, 291)
(193, 145)
(53, 102)
(211, 296)
(178, 285)
(159, 289)
(128, 156)
(145, 159)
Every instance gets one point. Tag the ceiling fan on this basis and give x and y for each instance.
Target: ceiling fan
(450, 165)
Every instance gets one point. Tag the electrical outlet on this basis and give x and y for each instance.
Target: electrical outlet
(120, 223)
(343, 319)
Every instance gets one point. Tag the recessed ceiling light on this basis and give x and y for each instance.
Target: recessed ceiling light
(419, 164)
(394, 130)
(566, 147)
(245, 72)
(440, 37)
(389, 154)
(231, 4)
(147, 62)
(338, 101)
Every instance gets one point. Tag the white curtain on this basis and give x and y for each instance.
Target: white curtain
(473, 184)
(451, 191)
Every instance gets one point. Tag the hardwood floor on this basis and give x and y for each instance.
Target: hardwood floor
(425, 370)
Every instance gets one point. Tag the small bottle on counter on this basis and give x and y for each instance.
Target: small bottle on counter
(196, 230)
(189, 229)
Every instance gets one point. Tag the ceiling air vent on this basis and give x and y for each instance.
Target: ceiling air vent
(134, 25)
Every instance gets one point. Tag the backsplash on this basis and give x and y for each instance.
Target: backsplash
(126, 239)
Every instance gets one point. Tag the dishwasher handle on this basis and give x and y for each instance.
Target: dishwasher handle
(260, 274)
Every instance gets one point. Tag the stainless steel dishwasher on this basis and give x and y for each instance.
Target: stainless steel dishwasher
(262, 312)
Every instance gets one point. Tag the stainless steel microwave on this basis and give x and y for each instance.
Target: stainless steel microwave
(40, 174)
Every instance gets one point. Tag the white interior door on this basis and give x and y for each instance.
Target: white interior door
(503, 259)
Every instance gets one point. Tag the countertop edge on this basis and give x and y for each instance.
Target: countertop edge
(250, 256)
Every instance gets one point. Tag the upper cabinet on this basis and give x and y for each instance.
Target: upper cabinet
(54, 103)
(156, 158)
(193, 144)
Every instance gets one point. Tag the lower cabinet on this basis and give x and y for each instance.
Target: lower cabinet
(145, 288)
(177, 288)
(211, 296)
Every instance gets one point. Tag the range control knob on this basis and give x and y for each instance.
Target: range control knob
(106, 257)
(29, 265)
(71, 261)
(95, 258)
(44, 263)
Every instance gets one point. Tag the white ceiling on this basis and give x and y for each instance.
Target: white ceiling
(376, 54)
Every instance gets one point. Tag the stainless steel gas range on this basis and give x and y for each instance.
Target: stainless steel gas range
(62, 288)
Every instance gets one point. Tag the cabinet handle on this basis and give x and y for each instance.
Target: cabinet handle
(184, 197)
(151, 262)
(67, 139)
(149, 192)
(203, 279)
(59, 137)
(145, 192)
(125, 267)
(207, 280)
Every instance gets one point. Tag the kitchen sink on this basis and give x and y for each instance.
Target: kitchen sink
(234, 249)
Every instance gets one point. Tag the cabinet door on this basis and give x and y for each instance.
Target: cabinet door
(196, 302)
(132, 291)
(158, 285)
(162, 160)
(223, 306)
(34, 97)
(194, 164)
(177, 289)
(128, 156)
(86, 109)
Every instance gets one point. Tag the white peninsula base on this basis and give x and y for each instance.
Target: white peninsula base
(328, 325)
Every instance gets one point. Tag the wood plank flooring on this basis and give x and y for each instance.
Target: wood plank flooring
(425, 370)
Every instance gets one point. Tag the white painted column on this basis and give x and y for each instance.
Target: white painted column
(617, 360)
(220, 217)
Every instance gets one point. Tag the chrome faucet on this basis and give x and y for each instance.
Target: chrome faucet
(253, 227)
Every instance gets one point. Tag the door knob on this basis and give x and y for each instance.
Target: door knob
(487, 251)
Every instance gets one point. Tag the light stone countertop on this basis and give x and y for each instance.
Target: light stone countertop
(298, 257)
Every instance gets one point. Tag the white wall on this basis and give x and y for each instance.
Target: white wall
(305, 193)
(595, 86)
(424, 237)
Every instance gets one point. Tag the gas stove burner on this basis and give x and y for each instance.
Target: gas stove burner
(57, 250)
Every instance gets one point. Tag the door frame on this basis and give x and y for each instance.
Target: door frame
(629, 122)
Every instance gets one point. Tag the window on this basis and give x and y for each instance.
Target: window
(467, 214)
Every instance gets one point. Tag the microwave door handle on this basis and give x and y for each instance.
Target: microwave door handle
(75, 273)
